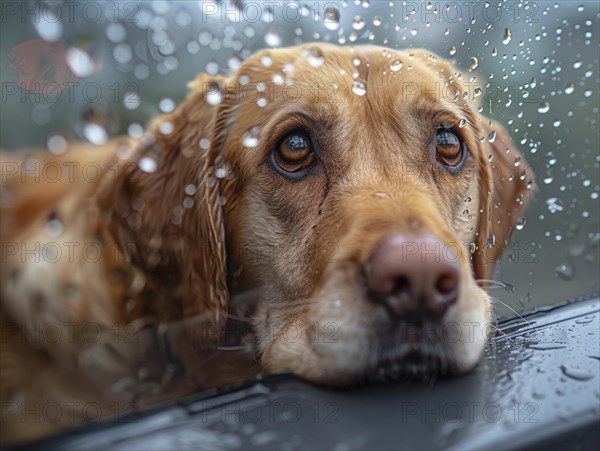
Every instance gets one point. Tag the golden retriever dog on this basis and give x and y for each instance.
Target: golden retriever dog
(350, 201)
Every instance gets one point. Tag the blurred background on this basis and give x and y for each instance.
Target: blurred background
(91, 70)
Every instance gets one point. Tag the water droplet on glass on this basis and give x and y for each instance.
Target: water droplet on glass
(80, 62)
(492, 136)
(565, 271)
(554, 204)
(507, 36)
(54, 228)
(56, 144)
(250, 138)
(521, 222)
(49, 25)
(95, 133)
(358, 23)
(213, 94)
(331, 18)
(315, 57)
(148, 161)
(462, 122)
(359, 87)
(273, 38)
(474, 63)
(453, 50)
(569, 89)
(544, 107)
(377, 21)
(166, 105)
(576, 374)
(395, 65)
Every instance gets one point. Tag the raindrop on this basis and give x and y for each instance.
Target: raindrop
(213, 95)
(377, 21)
(250, 138)
(273, 38)
(507, 36)
(131, 100)
(462, 122)
(544, 108)
(474, 63)
(54, 227)
(166, 105)
(331, 19)
(95, 133)
(453, 50)
(148, 162)
(56, 144)
(315, 57)
(48, 25)
(554, 204)
(395, 65)
(166, 127)
(569, 89)
(578, 375)
(358, 23)
(190, 189)
(577, 64)
(521, 222)
(359, 87)
(80, 62)
(492, 136)
(565, 271)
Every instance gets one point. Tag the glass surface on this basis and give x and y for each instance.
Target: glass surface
(132, 61)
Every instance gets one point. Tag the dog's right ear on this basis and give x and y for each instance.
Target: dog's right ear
(164, 209)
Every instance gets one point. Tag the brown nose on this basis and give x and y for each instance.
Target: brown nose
(414, 275)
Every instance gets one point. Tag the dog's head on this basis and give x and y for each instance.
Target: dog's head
(358, 189)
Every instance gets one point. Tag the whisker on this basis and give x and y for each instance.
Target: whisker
(510, 308)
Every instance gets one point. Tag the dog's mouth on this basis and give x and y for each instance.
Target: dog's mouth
(412, 351)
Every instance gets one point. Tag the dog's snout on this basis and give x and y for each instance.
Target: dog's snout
(413, 275)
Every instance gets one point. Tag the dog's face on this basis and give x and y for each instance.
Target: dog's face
(362, 217)
(357, 190)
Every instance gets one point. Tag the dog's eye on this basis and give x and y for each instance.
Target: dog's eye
(449, 150)
(294, 153)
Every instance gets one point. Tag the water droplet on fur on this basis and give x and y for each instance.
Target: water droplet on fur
(395, 65)
(359, 87)
(315, 57)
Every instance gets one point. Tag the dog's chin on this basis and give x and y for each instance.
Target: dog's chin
(361, 362)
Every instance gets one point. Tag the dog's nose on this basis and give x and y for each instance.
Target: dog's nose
(414, 275)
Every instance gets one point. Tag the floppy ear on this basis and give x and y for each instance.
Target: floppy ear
(505, 184)
(164, 210)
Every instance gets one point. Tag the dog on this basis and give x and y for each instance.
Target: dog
(355, 195)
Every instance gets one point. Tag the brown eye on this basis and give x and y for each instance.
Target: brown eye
(294, 153)
(449, 150)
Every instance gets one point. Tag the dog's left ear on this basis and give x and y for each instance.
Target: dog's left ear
(505, 184)
(165, 209)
